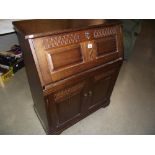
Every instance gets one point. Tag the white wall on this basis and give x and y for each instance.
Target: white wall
(7, 34)
(7, 40)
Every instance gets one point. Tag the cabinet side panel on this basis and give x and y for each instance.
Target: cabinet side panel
(34, 81)
(114, 79)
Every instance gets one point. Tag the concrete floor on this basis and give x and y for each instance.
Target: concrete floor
(132, 108)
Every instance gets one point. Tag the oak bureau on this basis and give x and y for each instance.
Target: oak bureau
(72, 66)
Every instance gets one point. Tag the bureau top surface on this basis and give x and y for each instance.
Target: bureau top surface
(44, 27)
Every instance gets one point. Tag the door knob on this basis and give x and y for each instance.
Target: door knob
(85, 94)
(90, 93)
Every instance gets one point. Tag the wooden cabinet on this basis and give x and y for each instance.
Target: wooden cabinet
(71, 69)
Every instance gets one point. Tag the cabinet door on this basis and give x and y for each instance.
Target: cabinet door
(101, 87)
(66, 104)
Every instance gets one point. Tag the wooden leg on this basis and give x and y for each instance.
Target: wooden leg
(106, 104)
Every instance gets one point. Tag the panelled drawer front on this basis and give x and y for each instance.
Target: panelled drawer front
(61, 58)
(64, 55)
(106, 45)
(101, 48)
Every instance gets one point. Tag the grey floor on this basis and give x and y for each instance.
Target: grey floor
(132, 108)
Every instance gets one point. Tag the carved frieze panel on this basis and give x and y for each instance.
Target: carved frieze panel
(60, 40)
(68, 92)
(105, 32)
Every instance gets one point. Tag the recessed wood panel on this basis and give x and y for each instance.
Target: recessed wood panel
(68, 102)
(102, 84)
(101, 90)
(69, 108)
(65, 57)
(106, 45)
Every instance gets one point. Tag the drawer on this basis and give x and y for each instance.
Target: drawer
(64, 57)
(101, 50)
(61, 56)
(106, 45)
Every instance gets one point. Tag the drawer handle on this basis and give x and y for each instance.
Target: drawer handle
(88, 94)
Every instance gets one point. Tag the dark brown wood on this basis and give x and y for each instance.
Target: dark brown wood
(39, 28)
(72, 66)
(34, 81)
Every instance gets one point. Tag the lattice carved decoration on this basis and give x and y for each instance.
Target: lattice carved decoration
(68, 92)
(105, 32)
(60, 40)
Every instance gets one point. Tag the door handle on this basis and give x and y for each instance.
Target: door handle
(85, 94)
(90, 93)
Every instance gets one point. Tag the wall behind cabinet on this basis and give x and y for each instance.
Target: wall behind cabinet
(7, 40)
(8, 36)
